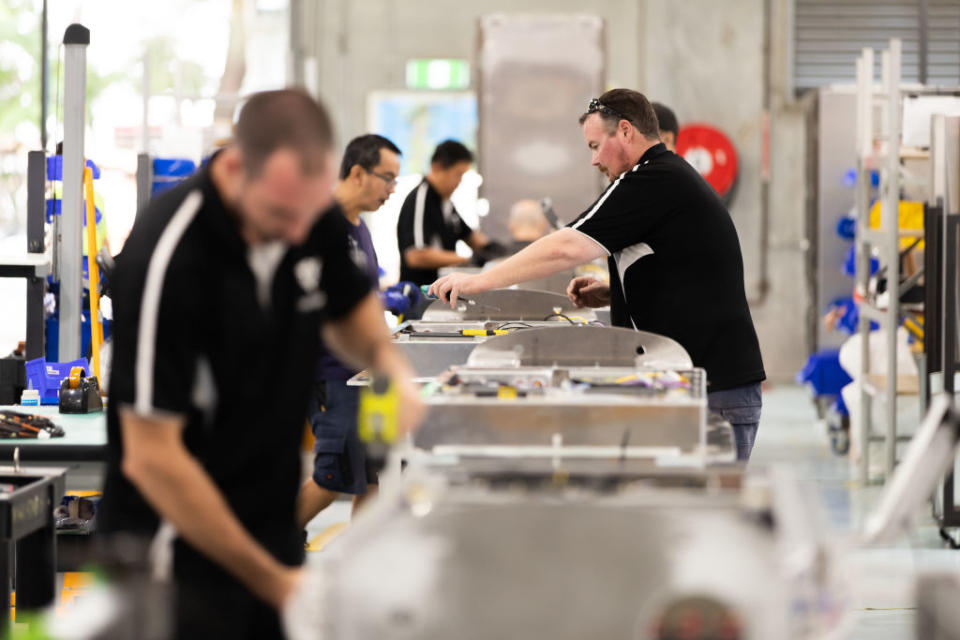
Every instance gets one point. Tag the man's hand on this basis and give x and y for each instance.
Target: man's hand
(288, 581)
(412, 408)
(587, 291)
(449, 288)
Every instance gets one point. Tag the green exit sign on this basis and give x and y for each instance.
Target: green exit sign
(438, 73)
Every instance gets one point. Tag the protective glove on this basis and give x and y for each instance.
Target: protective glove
(401, 297)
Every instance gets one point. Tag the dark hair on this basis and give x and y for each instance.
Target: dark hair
(666, 119)
(449, 153)
(365, 151)
(287, 118)
(629, 105)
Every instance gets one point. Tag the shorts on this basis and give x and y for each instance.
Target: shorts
(341, 463)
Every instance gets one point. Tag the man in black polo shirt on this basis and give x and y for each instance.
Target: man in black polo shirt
(673, 254)
(429, 225)
(220, 295)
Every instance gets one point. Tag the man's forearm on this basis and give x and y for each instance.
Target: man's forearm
(182, 492)
(432, 258)
(563, 249)
(363, 339)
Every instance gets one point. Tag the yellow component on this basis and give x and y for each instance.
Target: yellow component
(506, 392)
(327, 536)
(377, 416)
(83, 494)
(914, 327)
(473, 332)
(75, 374)
(101, 226)
(910, 218)
(628, 378)
(78, 580)
(579, 319)
(96, 324)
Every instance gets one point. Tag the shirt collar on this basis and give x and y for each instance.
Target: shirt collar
(652, 152)
(222, 219)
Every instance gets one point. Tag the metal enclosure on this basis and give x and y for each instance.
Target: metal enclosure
(507, 304)
(432, 560)
(582, 347)
(565, 391)
(536, 75)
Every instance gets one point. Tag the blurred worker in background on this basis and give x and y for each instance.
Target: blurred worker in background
(669, 127)
(527, 224)
(219, 298)
(368, 176)
(429, 225)
(672, 252)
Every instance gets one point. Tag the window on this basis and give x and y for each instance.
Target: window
(829, 35)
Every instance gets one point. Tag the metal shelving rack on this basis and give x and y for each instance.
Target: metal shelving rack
(63, 258)
(886, 240)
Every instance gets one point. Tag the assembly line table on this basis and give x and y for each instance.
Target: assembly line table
(85, 439)
(82, 451)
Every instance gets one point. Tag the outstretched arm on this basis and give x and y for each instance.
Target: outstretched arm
(563, 249)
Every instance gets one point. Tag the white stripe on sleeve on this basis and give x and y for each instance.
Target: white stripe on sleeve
(602, 199)
(150, 304)
(418, 216)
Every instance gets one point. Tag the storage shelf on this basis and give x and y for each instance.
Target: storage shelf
(26, 265)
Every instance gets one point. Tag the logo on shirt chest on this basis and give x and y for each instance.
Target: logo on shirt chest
(308, 272)
(357, 254)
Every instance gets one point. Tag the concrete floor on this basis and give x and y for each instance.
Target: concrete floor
(881, 579)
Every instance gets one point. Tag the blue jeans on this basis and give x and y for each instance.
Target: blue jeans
(741, 408)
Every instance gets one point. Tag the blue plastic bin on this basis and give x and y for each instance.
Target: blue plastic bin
(46, 377)
(168, 172)
(824, 373)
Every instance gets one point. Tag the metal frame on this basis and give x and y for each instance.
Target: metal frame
(886, 240)
(942, 266)
(75, 40)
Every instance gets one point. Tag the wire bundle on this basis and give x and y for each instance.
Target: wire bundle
(23, 425)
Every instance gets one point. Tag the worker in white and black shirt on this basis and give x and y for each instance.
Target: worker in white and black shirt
(220, 295)
(672, 251)
(429, 225)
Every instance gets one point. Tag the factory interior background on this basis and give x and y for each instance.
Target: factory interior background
(768, 93)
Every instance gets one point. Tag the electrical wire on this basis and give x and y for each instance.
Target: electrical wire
(514, 324)
(561, 316)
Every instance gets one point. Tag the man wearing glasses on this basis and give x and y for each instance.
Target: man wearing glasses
(429, 226)
(368, 176)
(674, 257)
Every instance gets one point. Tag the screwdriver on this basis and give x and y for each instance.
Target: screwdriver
(473, 303)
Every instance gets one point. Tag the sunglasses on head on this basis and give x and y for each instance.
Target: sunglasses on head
(597, 106)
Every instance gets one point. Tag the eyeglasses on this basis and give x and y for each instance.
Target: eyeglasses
(391, 181)
(597, 106)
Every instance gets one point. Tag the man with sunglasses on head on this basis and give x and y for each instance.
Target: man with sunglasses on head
(674, 257)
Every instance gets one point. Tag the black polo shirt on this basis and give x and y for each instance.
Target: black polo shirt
(427, 221)
(675, 265)
(197, 333)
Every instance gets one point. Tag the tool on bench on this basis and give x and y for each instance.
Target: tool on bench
(23, 425)
(473, 303)
(79, 393)
(458, 334)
